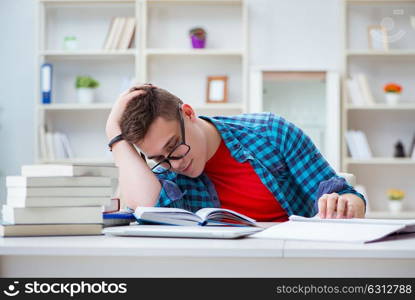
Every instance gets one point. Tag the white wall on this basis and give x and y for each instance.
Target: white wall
(16, 86)
(295, 33)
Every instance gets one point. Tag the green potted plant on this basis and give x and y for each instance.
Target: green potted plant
(198, 37)
(85, 86)
(395, 200)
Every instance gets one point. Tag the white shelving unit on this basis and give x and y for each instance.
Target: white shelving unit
(383, 124)
(160, 54)
(89, 21)
(170, 62)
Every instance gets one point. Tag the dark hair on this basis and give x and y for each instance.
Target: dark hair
(142, 110)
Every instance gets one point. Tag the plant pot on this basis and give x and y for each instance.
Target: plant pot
(85, 95)
(395, 206)
(392, 98)
(197, 43)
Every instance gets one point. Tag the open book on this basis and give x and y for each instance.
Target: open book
(336, 230)
(203, 217)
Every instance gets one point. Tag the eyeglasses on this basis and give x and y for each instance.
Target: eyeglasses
(179, 151)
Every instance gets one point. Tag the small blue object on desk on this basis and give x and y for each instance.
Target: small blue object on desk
(119, 218)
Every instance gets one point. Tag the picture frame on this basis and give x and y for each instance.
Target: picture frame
(377, 37)
(217, 89)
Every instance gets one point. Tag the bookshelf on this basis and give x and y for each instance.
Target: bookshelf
(383, 124)
(167, 52)
(148, 59)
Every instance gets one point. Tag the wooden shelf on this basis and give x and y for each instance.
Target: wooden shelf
(406, 52)
(381, 161)
(206, 52)
(387, 107)
(88, 54)
(76, 106)
(196, 2)
(85, 1)
(390, 215)
(377, 2)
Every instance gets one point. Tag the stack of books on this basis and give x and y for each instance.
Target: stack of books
(360, 93)
(58, 199)
(358, 145)
(120, 34)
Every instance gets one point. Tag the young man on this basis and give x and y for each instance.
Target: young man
(257, 164)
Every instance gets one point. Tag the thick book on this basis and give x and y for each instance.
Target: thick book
(52, 215)
(337, 230)
(59, 181)
(15, 192)
(57, 201)
(9, 230)
(203, 217)
(45, 170)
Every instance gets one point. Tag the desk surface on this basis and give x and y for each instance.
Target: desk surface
(401, 246)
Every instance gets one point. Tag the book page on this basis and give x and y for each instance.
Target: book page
(410, 224)
(329, 231)
(204, 213)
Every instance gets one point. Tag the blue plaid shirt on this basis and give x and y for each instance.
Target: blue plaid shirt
(284, 158)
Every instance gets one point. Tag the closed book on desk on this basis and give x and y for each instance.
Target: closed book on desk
(14, 192)
(62, 181)
(52, 215)
(203, 217)
(57, 201)
(44, 170)
(50, 229)
(336, 230)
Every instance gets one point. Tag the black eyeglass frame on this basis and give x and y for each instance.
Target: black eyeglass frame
(169, 156)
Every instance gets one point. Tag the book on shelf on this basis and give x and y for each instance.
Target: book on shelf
(68, 169)
(110, 33)
(52, 215)
(10, 230)
(15, 192)
(54, 145)
(203, 217)
(126, 37)
(365, 89)
(120, 33)
(411, 152)
(336, 230)
(358, 145)
(359, 90)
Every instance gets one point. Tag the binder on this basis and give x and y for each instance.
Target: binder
(46, 83)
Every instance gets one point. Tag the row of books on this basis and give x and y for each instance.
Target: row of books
(359, 91)
(358, 145)
(54, 145)
(120, 34)
(59, 199)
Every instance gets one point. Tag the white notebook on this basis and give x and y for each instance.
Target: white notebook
(336, 230)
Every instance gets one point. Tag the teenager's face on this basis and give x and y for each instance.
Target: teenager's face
(164, 135)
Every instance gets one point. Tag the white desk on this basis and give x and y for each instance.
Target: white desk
(102, 256)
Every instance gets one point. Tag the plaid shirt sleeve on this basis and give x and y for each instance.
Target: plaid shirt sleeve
(309, 169)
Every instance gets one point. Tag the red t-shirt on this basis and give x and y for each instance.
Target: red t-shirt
(239, 188)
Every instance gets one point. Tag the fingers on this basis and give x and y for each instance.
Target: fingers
(331, 205)
(350, 210)
(341, 207)
(322, 203)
